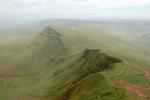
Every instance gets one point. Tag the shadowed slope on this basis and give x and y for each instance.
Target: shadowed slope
(83, 73)
(47, 49)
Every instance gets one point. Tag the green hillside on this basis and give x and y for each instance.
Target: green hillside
(75, 62)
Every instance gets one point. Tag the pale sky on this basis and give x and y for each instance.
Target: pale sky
(82, 9)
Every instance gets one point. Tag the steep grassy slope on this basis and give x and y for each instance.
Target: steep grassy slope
(87, 63)
(47, 49)
(22, 62)
(64, 63)
(45, 69)
(124, 40)
(97, 87)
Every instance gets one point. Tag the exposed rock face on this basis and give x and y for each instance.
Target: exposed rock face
(50, 41)
(95, 61)
(50, 32)
(88, 52)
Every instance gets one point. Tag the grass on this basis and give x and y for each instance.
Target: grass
(97, 87)
(136, 77)
(48, 66)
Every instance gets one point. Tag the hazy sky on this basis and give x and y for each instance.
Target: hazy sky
(45, 9)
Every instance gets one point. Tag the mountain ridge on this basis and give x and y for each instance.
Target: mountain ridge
(53, 72)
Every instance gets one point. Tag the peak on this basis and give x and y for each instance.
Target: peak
(90, 52)
(97, 60)
(50, 32)
(49, 41)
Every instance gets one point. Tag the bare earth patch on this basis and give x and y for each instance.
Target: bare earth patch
(147, 74)
(139, 90)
